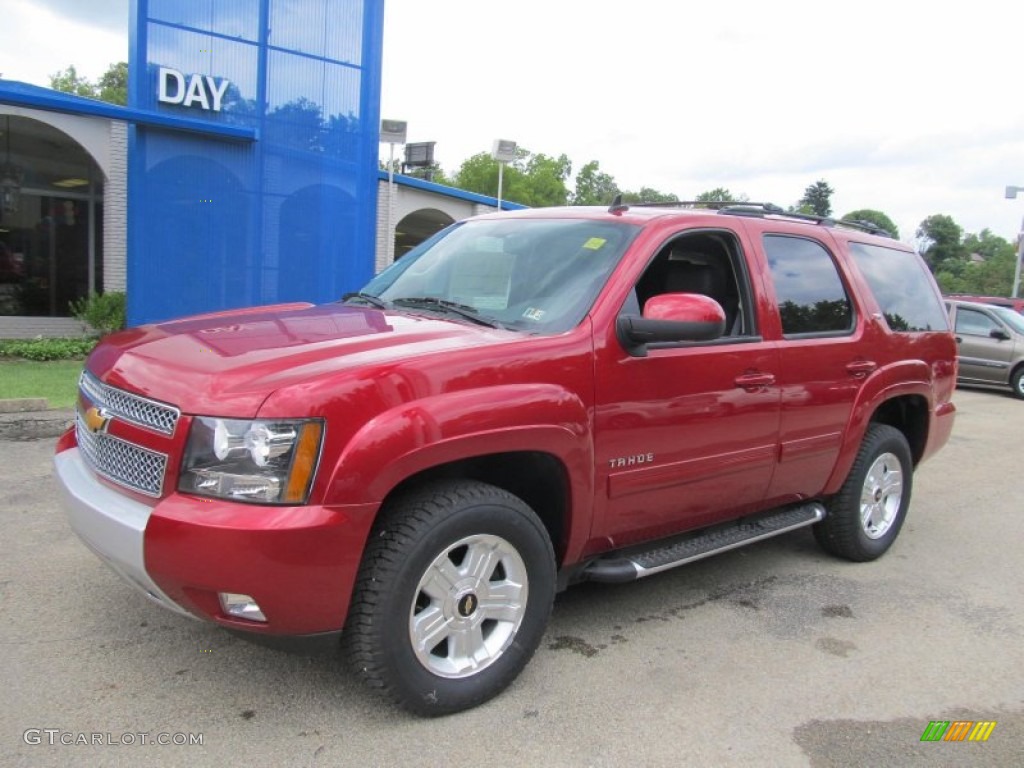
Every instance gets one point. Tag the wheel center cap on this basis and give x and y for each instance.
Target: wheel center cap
(878, 495)
(467, 605)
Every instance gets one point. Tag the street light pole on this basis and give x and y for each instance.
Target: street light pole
(1011, 194)
(392, 132)
(504, 151)
(1020, 257)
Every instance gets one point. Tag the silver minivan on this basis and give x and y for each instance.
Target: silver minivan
(990, 344)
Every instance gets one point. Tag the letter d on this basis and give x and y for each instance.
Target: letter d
(166, 77)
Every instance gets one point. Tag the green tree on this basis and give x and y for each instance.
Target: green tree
(69, 81)
(545, 180)
(111, 87)
(992, 275)
(877, 218)
(113, 84)
(594, 186)
(940, 241)
(649, 195)
(817, 199)
(719, 195)
(534, 180)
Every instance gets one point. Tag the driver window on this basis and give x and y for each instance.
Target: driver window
(704, 263)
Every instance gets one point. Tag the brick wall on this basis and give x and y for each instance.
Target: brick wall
(115, 212)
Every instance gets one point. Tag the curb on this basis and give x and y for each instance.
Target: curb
(35, 425)
(22, 404)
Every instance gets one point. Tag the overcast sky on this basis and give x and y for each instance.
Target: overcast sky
(912, 108)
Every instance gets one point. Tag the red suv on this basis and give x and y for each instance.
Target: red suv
(525, 401)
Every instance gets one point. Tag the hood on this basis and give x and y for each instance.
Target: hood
(228, 363)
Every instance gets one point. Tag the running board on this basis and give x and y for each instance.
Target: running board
(637, 562)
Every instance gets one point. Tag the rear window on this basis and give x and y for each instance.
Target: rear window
(902, 286)
(812, 298)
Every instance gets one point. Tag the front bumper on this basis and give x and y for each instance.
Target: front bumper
(299, 563)
(109, 523)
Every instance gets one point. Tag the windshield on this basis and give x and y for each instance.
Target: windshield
(534, 275)
(1011, 318)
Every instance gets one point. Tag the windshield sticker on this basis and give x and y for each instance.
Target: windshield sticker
(536, 315)
(594, 243)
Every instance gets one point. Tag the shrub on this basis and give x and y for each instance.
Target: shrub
(46, 349)
(103, 312)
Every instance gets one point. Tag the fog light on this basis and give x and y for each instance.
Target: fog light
(241, 606)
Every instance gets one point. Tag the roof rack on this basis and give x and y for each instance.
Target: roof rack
(760, 210)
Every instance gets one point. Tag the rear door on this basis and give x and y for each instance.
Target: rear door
(822, 356)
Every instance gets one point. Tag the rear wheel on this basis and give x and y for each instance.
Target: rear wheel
(865, 517)
(453, 596)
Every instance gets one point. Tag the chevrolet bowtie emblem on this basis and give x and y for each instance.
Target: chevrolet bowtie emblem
(96, 419)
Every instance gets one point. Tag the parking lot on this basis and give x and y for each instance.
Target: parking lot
(771, 655)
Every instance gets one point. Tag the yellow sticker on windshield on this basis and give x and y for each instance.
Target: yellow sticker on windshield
(594, 243)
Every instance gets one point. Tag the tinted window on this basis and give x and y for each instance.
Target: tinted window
(971, 322)
(812, 298)
(902, 287)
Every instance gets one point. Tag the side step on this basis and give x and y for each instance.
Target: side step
(637, 562)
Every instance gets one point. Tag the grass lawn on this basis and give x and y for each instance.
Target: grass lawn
(56, 380)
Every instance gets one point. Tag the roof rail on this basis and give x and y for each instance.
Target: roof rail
(760, 210)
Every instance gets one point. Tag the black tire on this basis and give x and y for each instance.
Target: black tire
(1017, 382)
(435, 647)
(865, 517)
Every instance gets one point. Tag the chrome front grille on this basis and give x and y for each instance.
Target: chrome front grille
(136, 409)
(120, 461)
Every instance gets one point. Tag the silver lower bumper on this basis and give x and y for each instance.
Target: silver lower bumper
(110, 524)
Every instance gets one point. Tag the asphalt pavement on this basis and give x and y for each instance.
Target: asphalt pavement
(775, 654)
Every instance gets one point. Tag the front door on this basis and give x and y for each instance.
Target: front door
(686, 434)
(982, 356)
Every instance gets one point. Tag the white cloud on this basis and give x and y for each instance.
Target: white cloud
(909, 107)
(37, 41)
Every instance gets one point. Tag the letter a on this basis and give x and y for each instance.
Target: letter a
(196, 92)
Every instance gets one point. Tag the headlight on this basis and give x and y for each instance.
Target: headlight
(265, 461)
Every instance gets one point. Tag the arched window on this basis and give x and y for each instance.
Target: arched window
(51, 219)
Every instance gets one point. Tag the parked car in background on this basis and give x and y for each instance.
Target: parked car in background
(1017, 305)
(990, 344)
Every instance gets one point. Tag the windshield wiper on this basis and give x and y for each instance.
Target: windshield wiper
(369, 298)
(443, 305)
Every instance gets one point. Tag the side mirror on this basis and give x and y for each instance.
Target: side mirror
(671, 317)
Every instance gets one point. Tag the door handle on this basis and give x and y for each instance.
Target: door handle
(861, 368)
(754, 381)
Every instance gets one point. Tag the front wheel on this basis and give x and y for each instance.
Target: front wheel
(865, 517)
(453, 596)
(1017, 382)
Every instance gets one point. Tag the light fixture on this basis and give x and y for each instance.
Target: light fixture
(241, 606)
(11, 176)
(71, 183)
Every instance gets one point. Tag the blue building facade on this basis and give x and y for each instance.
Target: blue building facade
(256, 181)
